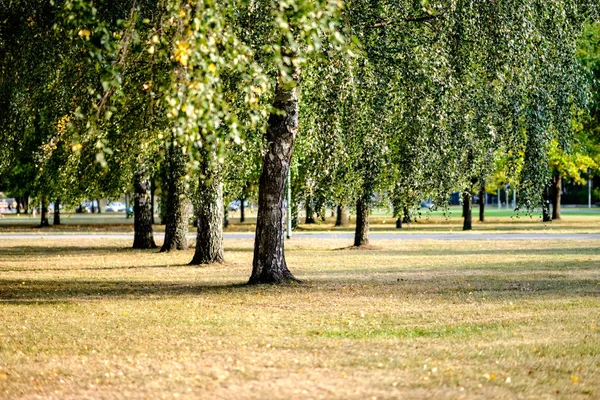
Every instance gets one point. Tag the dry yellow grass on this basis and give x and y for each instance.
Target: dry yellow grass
(414, 319)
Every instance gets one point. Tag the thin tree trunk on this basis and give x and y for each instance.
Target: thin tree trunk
(152, 197)
(44, 223)
(342, 217)
(310, 219)
(143, 237)
(556, 195)
(269, 265)
(176, 215)
(467, 214)
(406, 217)
(546, 216)
(57, 212)
(361, 234)
(93, 207)
(242, 210)
(99, 206)
(209, 237)
(482, 196)
(399, 223)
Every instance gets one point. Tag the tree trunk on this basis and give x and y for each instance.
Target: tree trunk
(467, 214)
(143, 237)
(269, 265)
(342, 217)
(361, 234)
(556, 195)
(242, 210)
(399, 223)
(482, 196)
(406, 217)
(546, 217)
(93, 207)
(44, 223)
(99, 206)
(57, 212)
(176, 213)
(210, 215)
(310, 219)
(152, 191)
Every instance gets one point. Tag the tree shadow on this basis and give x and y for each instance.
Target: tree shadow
(469, 252)
(492, 287)
(52, 291)
(113, 268)
(41, 250)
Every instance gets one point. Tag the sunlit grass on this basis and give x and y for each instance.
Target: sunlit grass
(410, 319)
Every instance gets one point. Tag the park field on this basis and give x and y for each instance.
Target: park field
(487, 319)
(574, 220)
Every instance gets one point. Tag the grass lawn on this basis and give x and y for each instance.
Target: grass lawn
(408, 319)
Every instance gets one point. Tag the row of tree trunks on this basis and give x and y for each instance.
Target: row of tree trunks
(142, 210)
(176, 215)
(269, 265)
(209, 213)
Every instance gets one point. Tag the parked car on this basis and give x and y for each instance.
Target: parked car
(115, 207)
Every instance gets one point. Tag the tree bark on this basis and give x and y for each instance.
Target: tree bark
(556, 195)
(143, 237)
(210, 215)
(399, 223)
(56, 212)
(269, 265)
(44, 222)
(467, 214)
(482, 204)
(546, 217)
(342, 217)
(242, 210)
(152, 191)
(361, 234)
(176, 213)
(99, 206)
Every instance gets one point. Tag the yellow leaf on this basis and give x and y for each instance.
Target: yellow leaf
(84, 33)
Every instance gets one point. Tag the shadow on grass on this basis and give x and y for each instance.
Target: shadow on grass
(39, 250)
(50, 291)
(490, 287)
(113, 268)
(469, 252)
